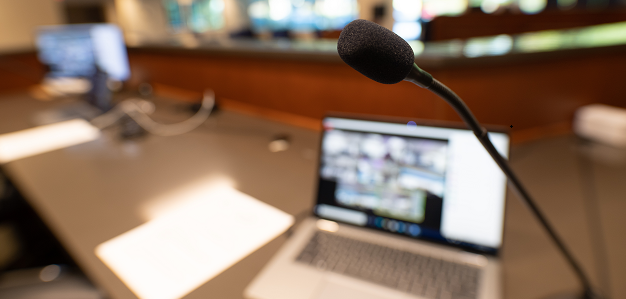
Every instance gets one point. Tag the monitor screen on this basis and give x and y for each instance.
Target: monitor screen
(301, 15)
(425, 182)
(76, 50)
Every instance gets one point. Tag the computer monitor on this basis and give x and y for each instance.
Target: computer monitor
(95, 52)
(81, 50)
(301, 15)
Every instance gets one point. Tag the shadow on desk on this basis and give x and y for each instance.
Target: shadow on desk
(33, 264)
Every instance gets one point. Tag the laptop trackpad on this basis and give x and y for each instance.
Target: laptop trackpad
(331, 290)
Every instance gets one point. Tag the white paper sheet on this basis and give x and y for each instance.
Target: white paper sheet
(172, 255)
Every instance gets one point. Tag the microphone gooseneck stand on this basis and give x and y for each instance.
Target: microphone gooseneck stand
(425, 80)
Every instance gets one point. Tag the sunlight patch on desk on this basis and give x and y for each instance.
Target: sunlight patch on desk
(42, 139)
(178, 251)
(184, 195)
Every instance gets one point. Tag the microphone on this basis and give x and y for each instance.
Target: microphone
(380, 54)
(383, 56)
(375, 52)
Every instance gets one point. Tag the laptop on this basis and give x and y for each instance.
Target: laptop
(403, 210)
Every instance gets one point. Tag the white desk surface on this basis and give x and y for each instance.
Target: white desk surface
(90, 193)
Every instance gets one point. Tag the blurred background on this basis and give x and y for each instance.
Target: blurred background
(503, 44)
(532, 66)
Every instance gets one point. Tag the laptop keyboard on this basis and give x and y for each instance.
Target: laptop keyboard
(402, 270)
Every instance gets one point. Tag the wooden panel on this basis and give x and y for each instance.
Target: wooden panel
(315, 124)
(185, 95)
(535, 93)
(299, 87)
(19, 71)
(477, 23)
(531, 94)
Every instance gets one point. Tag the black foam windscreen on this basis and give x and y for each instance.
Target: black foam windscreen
(375, 51)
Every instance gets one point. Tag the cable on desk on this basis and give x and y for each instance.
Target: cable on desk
(139, 109)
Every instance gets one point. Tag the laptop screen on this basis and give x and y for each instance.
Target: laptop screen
(426, 182)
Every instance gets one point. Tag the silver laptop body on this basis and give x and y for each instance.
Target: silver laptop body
(402, 211)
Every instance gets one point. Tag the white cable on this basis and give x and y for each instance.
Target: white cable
(139, 109)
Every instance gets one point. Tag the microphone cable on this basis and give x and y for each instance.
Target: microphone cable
(139, 109)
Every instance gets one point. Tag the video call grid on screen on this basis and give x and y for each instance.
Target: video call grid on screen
(422, 181)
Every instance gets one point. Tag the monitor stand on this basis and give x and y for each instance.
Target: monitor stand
(100, 95)
(91, 104)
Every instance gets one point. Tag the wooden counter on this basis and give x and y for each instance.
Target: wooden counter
(535, 85)
(528, 91)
